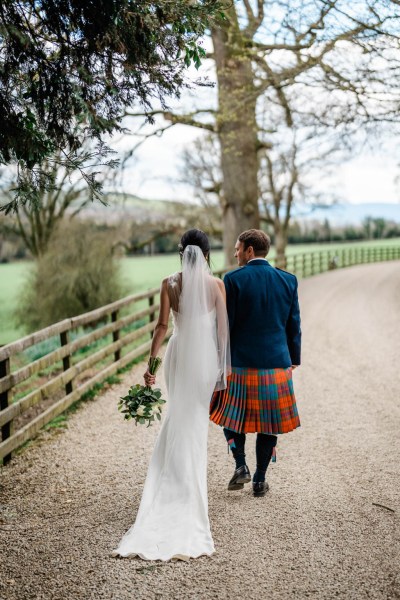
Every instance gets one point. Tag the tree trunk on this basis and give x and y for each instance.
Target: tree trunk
(36, 229)
(280, 246)
(237, 132)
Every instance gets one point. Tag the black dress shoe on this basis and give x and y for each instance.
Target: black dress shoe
(240, 477)
(260, 488)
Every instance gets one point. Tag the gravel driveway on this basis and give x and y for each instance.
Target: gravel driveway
(329, 527)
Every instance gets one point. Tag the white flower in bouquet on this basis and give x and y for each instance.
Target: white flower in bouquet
(140, 411)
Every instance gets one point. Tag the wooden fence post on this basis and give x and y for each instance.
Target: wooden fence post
(64, 340)
(293, 268)
(6, 429)
(115, 335)
(312, 263)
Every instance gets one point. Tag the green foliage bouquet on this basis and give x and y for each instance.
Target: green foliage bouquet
(143, 403)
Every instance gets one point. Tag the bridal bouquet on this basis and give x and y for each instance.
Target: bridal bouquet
(143, 403)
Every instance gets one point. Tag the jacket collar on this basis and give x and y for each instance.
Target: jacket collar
(258, 261)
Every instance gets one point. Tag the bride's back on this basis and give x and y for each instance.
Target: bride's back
(175, 284)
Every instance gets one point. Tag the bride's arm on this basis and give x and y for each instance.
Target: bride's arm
(221, 288)
(161, 328)
(224, 358)
(222, 320)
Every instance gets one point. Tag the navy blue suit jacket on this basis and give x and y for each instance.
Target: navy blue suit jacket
(264, 316)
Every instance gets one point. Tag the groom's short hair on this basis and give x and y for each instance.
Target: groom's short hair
(258, 239)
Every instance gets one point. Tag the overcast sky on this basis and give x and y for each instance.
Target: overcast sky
(154, 173)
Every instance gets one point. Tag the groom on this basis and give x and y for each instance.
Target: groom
(264, 323)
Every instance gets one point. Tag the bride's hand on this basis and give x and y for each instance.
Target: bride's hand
(149, 379)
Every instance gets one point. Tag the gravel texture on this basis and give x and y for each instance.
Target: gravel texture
(328, 528)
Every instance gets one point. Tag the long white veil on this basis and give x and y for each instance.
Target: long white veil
(202, 322)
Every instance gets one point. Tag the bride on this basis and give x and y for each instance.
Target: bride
(172, 521)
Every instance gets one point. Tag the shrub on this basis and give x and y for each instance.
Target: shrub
(78, 273)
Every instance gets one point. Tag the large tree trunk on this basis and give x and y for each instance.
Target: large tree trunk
(281, 241)
(237, 131)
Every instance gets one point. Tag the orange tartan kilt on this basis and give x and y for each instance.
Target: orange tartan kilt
(256, 401)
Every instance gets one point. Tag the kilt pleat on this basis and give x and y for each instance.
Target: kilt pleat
(256, 400)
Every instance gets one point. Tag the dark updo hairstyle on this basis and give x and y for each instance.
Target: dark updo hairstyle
(195, 237)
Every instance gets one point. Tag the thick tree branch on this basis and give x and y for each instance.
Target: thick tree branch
(249, 11)
(253, 21)
(189, 120)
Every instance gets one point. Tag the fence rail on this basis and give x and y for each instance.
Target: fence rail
(307, 264)
(70, 375)
(313, 263)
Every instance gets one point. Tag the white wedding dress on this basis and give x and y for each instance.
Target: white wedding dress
(172, 521)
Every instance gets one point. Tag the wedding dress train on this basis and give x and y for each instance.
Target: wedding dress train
(172, 521)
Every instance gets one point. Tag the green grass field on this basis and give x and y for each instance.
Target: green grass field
(139, 273)
(12, 278)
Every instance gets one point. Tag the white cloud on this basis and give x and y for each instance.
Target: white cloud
(370, 179)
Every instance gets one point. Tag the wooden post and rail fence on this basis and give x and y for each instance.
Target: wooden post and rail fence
(121, 333)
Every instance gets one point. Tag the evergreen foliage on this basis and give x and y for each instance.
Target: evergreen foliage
(67, 62)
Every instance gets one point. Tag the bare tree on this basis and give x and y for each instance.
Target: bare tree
(62, 191)
(201, 169)
(296, 160)
(289, 165)
(332, 61)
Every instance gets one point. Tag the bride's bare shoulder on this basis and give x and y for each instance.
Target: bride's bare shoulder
(218, 285)
(172, 283)
(173, 279)
(219, 282)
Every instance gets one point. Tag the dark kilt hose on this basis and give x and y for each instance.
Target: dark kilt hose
(264, 321)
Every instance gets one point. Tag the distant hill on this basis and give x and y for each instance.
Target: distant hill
(118, 206)
(124, 206)
(127, 205)
(350, 214)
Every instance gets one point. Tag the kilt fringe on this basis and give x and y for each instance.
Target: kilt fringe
(256, 401)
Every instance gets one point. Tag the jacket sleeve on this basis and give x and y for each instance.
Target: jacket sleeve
(230, 301)
(293, 329)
